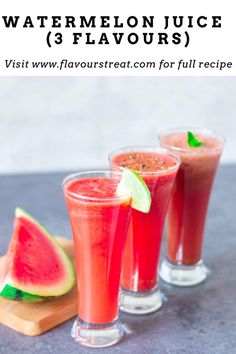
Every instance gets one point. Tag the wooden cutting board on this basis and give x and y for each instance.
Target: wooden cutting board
(33, 319)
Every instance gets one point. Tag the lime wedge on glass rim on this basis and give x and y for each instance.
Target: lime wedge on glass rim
(132, 182)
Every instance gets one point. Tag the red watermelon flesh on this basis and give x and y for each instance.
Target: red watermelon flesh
(35, 262)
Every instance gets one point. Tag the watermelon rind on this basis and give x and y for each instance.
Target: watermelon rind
(11, 288)
(11, 293)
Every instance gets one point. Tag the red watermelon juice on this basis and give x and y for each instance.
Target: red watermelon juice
(158, 169)
(99, 221)
(189, 201)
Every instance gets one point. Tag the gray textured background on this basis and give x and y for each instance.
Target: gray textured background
(53, 124)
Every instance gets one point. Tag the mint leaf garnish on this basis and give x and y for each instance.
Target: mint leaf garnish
(193, 141)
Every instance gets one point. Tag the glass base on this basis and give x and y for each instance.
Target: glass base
(140, 303)
(183, 275)
(96, 336)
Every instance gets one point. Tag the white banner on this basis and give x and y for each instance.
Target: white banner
(127, 38)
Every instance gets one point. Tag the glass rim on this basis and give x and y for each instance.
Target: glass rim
(208, 131)
(72, 176)
(146, 148)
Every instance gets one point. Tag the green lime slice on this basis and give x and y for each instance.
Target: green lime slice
(132, 182)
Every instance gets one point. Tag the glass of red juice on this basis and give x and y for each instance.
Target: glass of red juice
(187, 212)
(140, 293)
(99, 221)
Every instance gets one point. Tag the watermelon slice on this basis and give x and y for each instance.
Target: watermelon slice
(36, 266)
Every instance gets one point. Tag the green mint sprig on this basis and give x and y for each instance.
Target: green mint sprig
(193, 141)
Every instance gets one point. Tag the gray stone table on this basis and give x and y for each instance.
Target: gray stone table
(200, 320)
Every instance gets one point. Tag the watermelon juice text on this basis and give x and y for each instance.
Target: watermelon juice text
(142, 249)
(190, 197)
(99, 224)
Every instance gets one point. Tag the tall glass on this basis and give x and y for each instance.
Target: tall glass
(189, 203)
(139, 283)
(99, 221)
